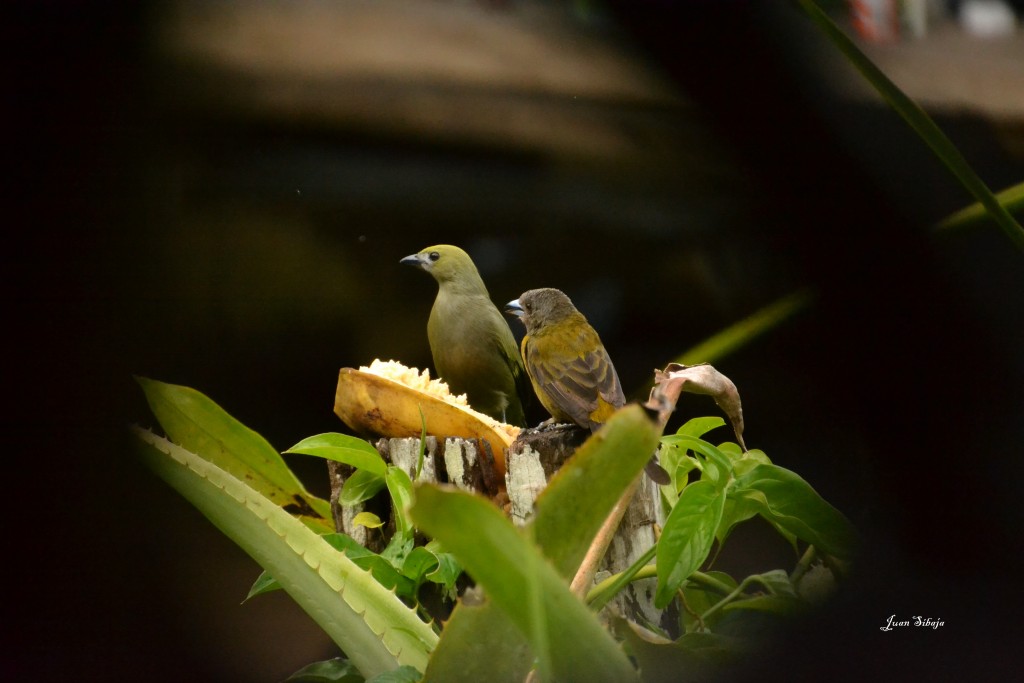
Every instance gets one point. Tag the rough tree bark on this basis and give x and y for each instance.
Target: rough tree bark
(531, 462)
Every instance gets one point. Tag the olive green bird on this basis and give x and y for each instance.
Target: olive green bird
(568, 365)
(472, 346)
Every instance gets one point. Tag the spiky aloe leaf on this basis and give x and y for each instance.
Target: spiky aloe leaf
(367, 621)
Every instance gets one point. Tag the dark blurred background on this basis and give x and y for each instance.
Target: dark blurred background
(218, 194)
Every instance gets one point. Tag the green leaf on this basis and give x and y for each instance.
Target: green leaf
(687, 537)
(404, 674)
(366, 620)
(697, 427)
(1012, 199)
(774, 604)
(200, 426)
(790, 502)
(265, 583)
(337, 670)
(743, 332)
(694, 657)
(919, 121)
(418, 564)
(738, 508)
(700, 597)
(720, 468)
(400, 487)
(479, 643)
(368, 519)
(360, 487)
(579, 497)
(342, 448)
(448, 569)
(566, 638)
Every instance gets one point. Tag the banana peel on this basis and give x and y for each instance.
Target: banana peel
(370, 403)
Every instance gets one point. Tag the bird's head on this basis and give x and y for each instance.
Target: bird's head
(538, 307)
(444, 262)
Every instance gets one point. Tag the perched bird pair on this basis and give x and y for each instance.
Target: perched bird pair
(475, 353)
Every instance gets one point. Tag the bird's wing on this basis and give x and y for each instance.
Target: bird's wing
(579, 383)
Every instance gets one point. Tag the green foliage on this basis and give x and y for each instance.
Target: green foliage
(363, 617)
(523, 616)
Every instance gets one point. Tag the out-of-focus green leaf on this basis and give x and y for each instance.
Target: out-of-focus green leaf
(404, 674)
(366, 620)
(700, 597)
(687, 537)
(342, 448)
(368, 519)
(479, 643)
(917, 119)
(693, 657)
(578, 499)
(360, 487)
(743, 332)
(337, 670)
(1012, 199)
(565, 637)
(790, 502)
(400, 487)
(775, 604)
(200, 426)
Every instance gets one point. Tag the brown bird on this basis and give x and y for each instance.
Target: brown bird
(568, 365)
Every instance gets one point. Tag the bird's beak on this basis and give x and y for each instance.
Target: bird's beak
(513, 308)
(415, 260)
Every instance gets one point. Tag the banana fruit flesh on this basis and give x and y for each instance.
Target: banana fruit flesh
(386, 399)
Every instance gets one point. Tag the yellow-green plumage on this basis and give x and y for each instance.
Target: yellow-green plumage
(471, 343)
(570, 370)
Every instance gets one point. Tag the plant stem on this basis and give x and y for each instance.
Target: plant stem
(585, 574)
(917, 119)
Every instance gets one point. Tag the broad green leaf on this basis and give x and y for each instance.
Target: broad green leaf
(720, 464)
(366, 620)
(694, 657)
(448, 568)
(337, 670)
(748, 461)
(737, 509)
(776, 582)
(578, 499)
(360, 487)
(791, 503)
(479, 643)
(368, 519)
(697, 427)
(200, 426)
(342, 448)
(919, 121)
(687, 537)
(775, 604)
(565, 637)
(404, 674)
(418, 564)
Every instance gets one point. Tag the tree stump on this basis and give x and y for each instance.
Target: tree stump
(532, 460)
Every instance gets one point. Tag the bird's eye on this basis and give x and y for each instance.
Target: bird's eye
(433, 256)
